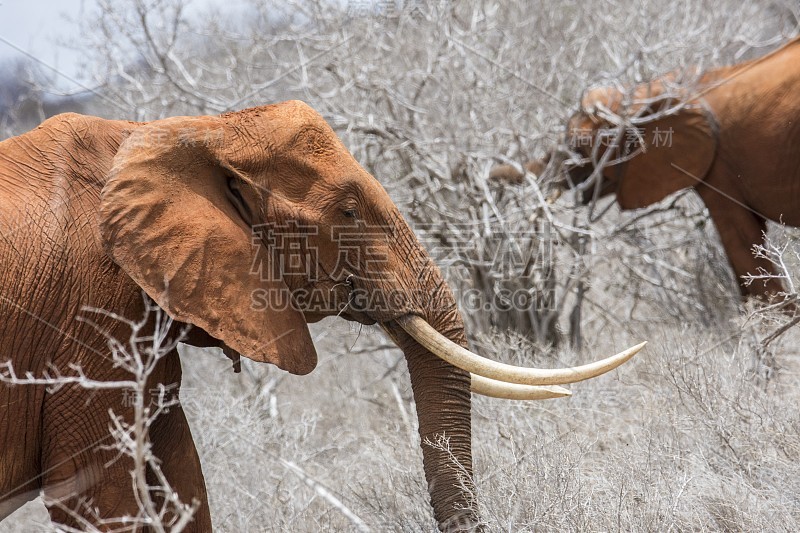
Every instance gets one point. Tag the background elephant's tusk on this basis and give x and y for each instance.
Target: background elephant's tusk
(554, 196)
(512, 391)
(458, 356)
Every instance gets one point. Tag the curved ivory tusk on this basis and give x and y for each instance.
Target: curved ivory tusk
(466, 360)
(512, 391)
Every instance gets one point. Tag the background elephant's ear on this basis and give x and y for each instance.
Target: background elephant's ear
(679, 152)
(167, 220)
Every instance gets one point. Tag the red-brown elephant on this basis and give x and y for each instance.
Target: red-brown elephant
(735, 140)
(93, 211)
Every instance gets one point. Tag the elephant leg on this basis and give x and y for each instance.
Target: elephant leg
(173, 445)
(85, 481)
(740, 228)
(12, 503)
(96, 486)
(20, 423)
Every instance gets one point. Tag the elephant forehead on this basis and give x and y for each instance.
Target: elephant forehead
(581, 130)
(289, 131)
(287, 125)
(580, 122)
(318, 143)
(605, 96)
(289, 136)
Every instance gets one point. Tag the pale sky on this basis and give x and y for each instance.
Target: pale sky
(36, 26)
(39, 26)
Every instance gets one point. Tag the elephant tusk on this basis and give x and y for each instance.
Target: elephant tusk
(554, 196)
(512, 391)
(458, 356)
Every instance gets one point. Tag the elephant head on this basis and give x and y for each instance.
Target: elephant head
(641, 144)
(251, 224)
(508, 174)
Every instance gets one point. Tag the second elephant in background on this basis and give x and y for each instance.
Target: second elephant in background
(733, 138)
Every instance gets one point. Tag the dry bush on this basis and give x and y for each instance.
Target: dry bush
(26, 97)
(428, 96)
(693, 434)
(149, 341)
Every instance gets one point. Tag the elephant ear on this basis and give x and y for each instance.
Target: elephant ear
(166, 218)
(677, 153)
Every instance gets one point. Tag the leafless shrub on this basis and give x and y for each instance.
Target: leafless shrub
(768, 322)
(679, 439)
(21, 97)
(160, 506)
(429, 95)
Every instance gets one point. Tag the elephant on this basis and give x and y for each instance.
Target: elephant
(193, 212)
(731, 135)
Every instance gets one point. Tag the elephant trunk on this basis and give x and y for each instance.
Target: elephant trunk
(432, 337)
(443, 403)
(442, 396)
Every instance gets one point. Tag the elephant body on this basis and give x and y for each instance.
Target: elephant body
(754, 176)
(51, 270)
(758, 115)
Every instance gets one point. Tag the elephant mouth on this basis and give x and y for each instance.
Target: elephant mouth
(332, 298)
(580, 179)
(578, 174)
(368, 305)
(361, 317)
(587, 193)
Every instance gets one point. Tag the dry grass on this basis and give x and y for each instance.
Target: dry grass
(686, 437)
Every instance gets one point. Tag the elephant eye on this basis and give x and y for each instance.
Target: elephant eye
(234, 194)
(350, 213)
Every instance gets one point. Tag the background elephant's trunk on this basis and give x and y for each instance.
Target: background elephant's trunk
(442, 396)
